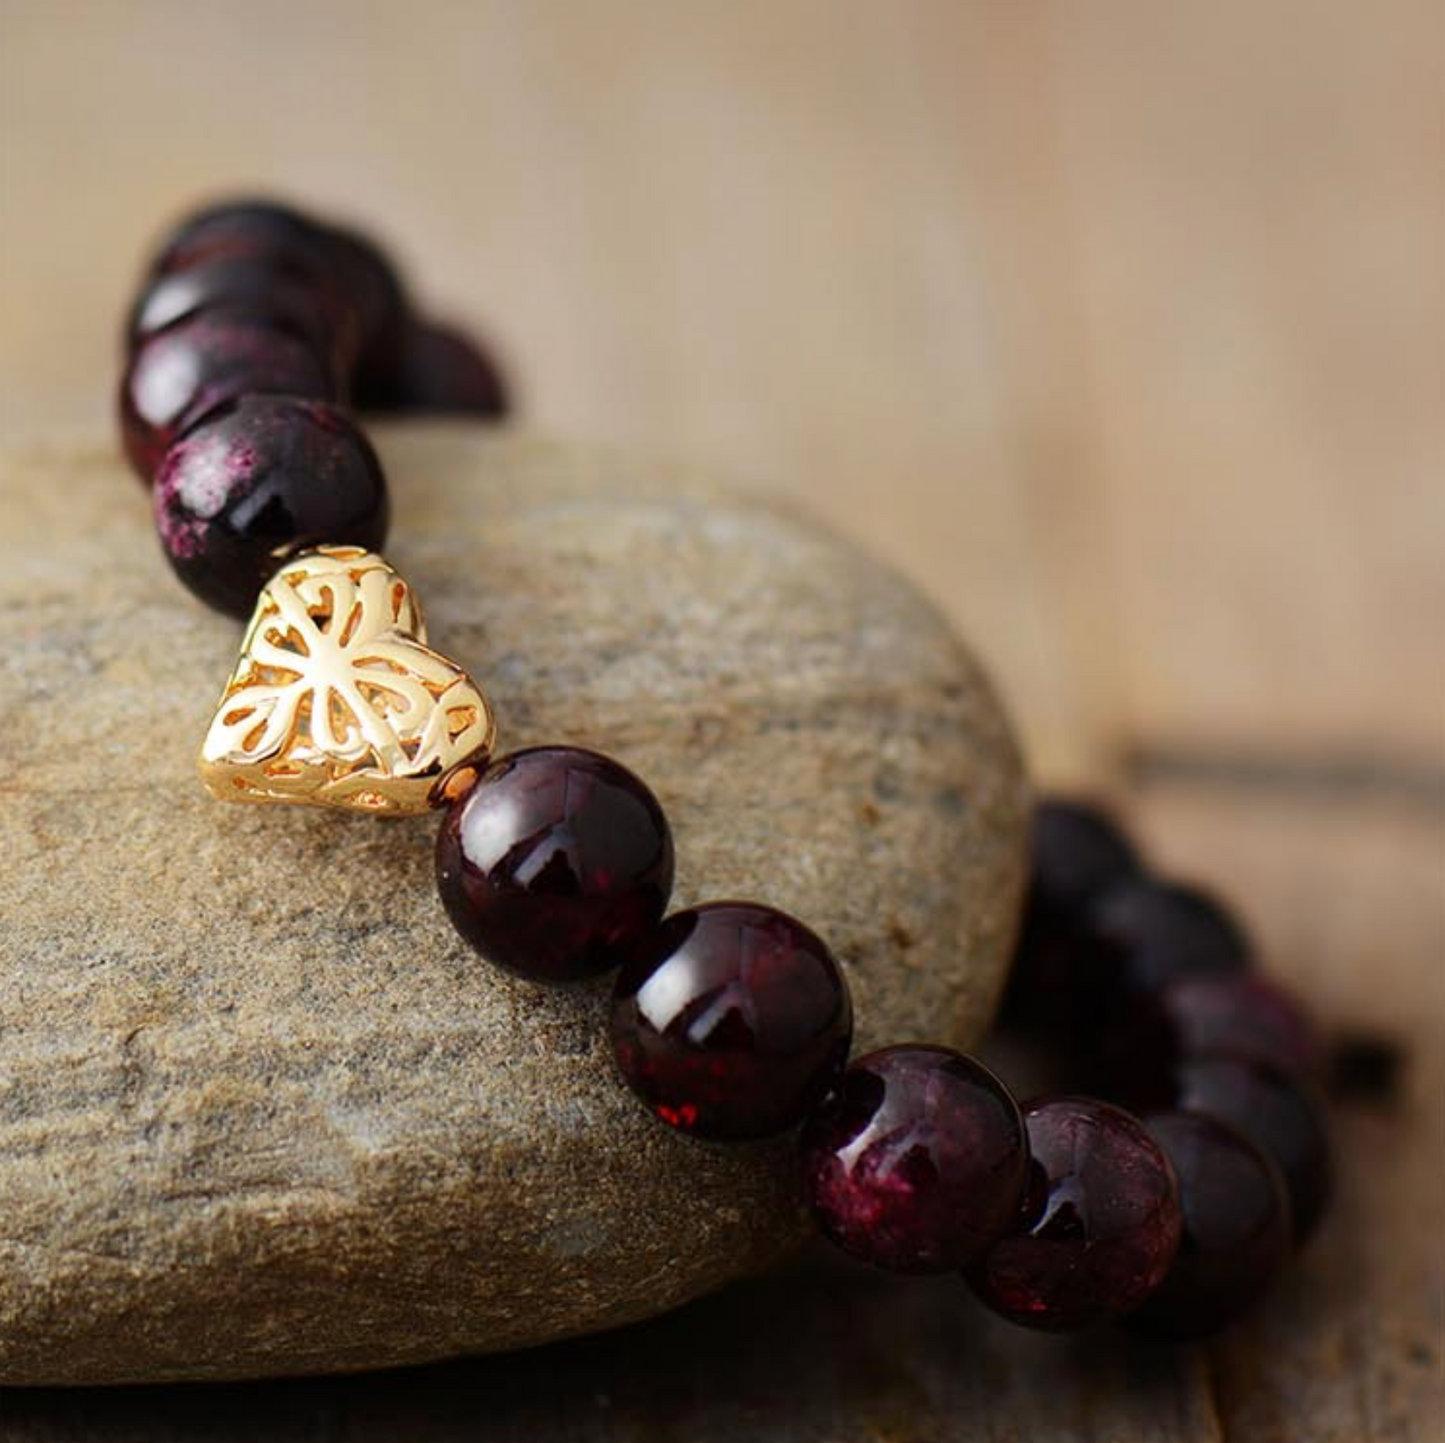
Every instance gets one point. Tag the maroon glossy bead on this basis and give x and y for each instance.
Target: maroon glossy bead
(263, 289)
(1241, 1015)
(1077, 851)
(259, 478)
(554, 862)
(374, 288)
(916, 1161)
(186, 371)
(1101, 1223)
(1278, 1114)
(1077, 854)
(731, 1020)
(1139, 1048)
(1144, 933)
(433, 369)
(1236, 1237)
(246, 225)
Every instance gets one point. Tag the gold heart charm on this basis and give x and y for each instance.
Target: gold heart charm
(338, 701)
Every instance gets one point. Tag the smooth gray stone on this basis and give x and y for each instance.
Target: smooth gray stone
(261, 1111)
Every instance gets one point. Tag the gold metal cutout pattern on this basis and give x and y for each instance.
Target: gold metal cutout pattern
(338, 701)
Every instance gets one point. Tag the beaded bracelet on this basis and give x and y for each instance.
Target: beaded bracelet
(254, 331)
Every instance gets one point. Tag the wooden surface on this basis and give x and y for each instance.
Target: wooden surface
(1117, 325)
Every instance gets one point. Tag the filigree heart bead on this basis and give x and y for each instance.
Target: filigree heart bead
(338, 701)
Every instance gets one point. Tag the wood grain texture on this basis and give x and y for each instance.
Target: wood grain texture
(1118, 325)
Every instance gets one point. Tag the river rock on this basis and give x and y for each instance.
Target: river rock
(261, 1110)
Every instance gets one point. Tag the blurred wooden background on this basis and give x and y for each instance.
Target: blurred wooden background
(1118, 324)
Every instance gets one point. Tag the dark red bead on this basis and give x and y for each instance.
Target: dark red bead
(554, 862)
(433, 369)
(241, 226)
(181, 374)
(1101, 1222)
(259, 478)
(260, 289)
(374, 289)
(731, 1020)
(1243, 1015)
(1140, 1046)
(1143, 933)
(1236, 1237)
(1077, 854)
(1278, 1114)
(916, 1161)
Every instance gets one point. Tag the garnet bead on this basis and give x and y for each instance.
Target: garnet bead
(554, 861)
(1100, 1226)
(1240, 1015)
(182, 373)
(1143, 933)
(1236, 1237)
(916, 1161)
(1277, 1114)
(1077, 853)
(373, 287)
(247, 226)
(264, 476)
(258, 288)
(731, 1020)
(433, 369)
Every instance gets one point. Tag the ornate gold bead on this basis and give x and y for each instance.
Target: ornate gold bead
(338, 701)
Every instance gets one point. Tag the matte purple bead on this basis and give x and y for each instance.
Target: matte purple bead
(1278, 1114)
(731, 1020)
(262, 477)
(1101, 1222)
(916, 1161)
(556, 861)
(1236, 1237)
(182, 373)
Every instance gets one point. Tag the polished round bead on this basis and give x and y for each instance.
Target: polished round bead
(1240, 1015)
(1138, 1049)
(1100, 1226)
(1278, 1114)
(554, 862)
(181, 374)
(433, 369)
(240, 226)
(258, 479)
(374, 289)
(916, 1161)
(1077, 853)
(1236, 1237)
(1143, 933)
(731, 1020)
(262, 289)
